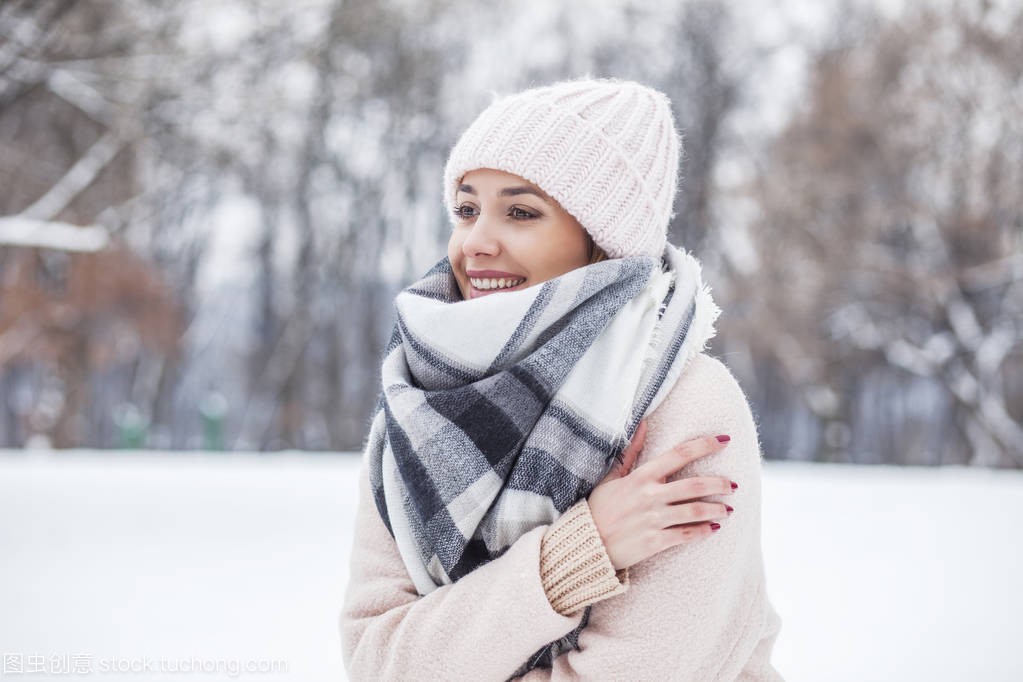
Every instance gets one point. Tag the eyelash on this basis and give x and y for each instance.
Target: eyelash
(527, 215)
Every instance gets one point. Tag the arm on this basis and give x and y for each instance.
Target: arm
(485, 625)
(696, 611)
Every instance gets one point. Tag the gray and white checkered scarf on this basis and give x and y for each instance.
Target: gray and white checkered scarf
(499, 413)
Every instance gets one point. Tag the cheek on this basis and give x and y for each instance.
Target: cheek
(455, 248)
(570, 251)
(549, 258)
(455, 257)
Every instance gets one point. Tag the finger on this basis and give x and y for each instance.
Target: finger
(669, 462)
(678, 535)
(630, 454)
(695, 487)
(694, 512)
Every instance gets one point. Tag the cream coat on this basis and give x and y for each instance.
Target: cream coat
(696, 612)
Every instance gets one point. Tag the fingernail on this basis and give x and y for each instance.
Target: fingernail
(730, 510)
(735, 485)
(715, 526)
(724, 439)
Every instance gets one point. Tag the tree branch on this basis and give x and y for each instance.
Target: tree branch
(77, 178)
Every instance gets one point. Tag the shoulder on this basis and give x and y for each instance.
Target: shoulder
(706, 400)
(708, 370)
(705, 387)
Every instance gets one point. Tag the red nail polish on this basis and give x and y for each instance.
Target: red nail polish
(715, 526)
(730, 510)
(724, 439)
(735, 485)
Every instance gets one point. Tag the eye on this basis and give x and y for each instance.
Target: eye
(465, 211)
(518, 213)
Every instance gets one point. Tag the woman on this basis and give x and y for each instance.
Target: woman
(496, 536)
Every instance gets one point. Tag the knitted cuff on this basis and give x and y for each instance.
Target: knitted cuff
(574, 566)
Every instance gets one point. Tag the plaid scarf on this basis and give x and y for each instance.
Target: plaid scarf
(499, 413)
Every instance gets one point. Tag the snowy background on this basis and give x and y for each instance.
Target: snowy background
(878, 573)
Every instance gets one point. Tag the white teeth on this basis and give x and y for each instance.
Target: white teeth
(498, 283)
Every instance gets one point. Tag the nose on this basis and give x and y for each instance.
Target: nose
(481, 239)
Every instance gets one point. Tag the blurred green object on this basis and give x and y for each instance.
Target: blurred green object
(132, 427)
(213, 409)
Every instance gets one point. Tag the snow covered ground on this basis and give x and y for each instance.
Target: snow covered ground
(114, 561)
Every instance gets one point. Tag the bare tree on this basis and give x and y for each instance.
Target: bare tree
(68, 161)
(890, 289)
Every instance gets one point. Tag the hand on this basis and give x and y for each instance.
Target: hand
(640, 513)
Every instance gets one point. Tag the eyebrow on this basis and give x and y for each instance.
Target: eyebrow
(507, 191)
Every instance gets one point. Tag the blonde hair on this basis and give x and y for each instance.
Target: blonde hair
(596, 253)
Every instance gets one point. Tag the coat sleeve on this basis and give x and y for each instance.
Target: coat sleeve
(697, 611)
(482, 627)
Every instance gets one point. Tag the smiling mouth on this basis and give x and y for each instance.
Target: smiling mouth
(483, 286)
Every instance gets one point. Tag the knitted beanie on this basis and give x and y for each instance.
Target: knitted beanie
(606, 150)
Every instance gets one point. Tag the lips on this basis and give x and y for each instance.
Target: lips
(493, 274)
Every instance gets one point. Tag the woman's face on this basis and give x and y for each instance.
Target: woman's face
(509, 235)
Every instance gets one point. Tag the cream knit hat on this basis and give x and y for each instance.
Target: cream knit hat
(606, 150)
